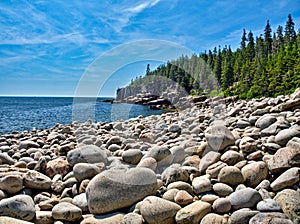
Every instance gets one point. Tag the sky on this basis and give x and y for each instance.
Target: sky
(48, 48)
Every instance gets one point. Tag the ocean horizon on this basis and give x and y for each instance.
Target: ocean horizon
(25, 113)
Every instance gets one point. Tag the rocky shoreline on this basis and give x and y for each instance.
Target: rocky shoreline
(237, 162)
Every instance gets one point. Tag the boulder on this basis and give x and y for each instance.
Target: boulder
(119, 188)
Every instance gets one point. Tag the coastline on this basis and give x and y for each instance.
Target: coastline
(219, 161)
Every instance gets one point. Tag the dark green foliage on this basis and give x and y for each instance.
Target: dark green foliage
(268, 65)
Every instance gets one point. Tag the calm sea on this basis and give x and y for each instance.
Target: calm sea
(26, 113)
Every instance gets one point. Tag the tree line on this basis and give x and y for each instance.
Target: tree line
(267, 65)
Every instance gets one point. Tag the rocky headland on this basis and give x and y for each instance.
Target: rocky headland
(220, 161)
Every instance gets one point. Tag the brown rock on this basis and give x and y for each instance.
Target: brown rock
(58, 166)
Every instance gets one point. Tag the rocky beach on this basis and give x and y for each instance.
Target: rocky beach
(219, 161)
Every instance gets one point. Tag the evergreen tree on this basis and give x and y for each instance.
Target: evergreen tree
(244, 39)
(290, 33)
(268, 39)
(250, 47)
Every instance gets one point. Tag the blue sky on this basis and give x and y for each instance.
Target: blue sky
(46, 47)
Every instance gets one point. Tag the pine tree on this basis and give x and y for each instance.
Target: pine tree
(244, 39)
(290, 33)
(250, 47)
(268, 39)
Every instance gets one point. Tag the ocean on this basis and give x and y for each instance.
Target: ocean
(27, 113)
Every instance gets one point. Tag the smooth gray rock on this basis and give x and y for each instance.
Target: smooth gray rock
(213, 218)
(222, 190)
(265, 121)
(19, 206)
(268, 205)
(219, 137)
(6, 159)
(285, 135)
(66, 212)
(221, 205)
(87, 154)
(81, 202)
(83, 171)
(157, 210)
(119, 188)
(132, 156)
(287, 179)
(26, 144)
(244, 198)
(242, 216)
(210, 158)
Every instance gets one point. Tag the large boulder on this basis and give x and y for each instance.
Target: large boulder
(119, 188)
